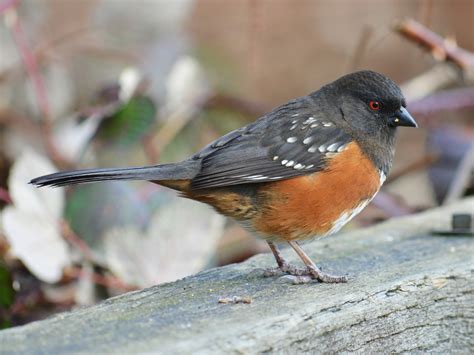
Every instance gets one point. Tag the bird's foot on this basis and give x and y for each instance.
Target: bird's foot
(303, 275)
(321, 276)
(299, 275)
(286, 269)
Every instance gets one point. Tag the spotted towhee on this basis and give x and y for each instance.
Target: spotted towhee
(301, 171)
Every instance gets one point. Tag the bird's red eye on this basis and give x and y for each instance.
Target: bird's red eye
(374, 105)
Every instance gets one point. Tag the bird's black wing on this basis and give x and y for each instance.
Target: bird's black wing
(295, 139)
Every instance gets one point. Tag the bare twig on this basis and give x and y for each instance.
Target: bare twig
(361, 47)
(14, 119)
(151, 152)
(425, 12)
(109, 53)
(256, 28)
(390, 205)
(7, 5)
(462, 177)
(236, 104)
(5, 196)
(13, 23)
(76, 241)
(172, 126)
(448, 100)
(440, 48)
(457, 64)
(106, 281)
(41, 53)
(419, 164)
(436, 78)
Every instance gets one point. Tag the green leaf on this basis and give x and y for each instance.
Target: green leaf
(7, 294)
(130, 123)
(5, 323)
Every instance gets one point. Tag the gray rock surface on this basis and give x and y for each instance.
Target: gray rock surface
(410, 291)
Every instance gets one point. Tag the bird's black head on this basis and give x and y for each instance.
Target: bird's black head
(370, 102)
(371, 107)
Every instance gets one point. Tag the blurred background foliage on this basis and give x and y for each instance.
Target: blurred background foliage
(92, 83)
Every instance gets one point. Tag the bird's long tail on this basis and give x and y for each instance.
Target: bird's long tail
(165, 172)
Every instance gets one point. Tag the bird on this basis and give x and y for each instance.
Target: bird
(299, 172)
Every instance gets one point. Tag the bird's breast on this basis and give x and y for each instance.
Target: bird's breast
(320, 203)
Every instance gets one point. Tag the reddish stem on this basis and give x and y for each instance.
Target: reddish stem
(31, 66)
(76, 241)
(107, 281)
(5, 196)
(439, 47)
(8, 4)
(29, 60)
(449, 100)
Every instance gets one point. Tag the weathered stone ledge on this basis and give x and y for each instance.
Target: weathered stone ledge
(410, 291)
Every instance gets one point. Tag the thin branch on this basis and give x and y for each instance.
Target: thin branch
(440, 48)
(434, 79)
(237, 104)
(172, 126)
(255, 33)
(14, 119)
(41, 52)
(13, 23)
(390, 205)
(5, 196)
(106, 281)
(7, 5)
(419, 164)
(76, 241)
(361, 47)
(462, 177)
(448, 100)
(151, 152)
(29, 60)
(425, 12)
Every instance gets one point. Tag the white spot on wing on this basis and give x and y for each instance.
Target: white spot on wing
(312, 149)
(295, 115)
(298, 166)
(290, 163)
(322, 148)
(341, 148)
(332, 147)
(307, 140)
(275, 157)
(292, 140)
(283, 162)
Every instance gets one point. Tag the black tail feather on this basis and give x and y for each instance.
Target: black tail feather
(178, 171)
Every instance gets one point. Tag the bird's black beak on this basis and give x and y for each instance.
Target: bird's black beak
(403, 118)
